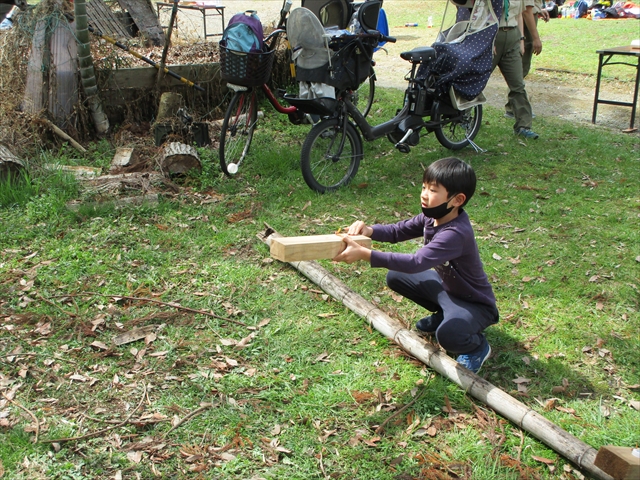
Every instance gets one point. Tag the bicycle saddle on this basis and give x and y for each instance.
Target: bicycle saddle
(419, 55)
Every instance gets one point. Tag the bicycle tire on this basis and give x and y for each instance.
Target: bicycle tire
(324, 168)
(455, 131)
(364, 95)
(237, 131)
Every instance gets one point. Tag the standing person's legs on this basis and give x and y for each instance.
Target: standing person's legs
(510, 66)
(526, 64)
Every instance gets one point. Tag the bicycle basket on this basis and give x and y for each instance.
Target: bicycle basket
(248, 69)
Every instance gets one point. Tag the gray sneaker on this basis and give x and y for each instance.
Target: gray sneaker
(526, 133)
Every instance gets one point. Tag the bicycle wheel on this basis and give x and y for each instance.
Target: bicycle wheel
(237, 131)
(363, 98)
(330, 155)
(455, 131)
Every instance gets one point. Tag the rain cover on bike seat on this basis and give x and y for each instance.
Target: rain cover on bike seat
(306, 36)
(464, 51)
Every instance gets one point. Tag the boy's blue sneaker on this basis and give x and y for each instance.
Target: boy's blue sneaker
(430, 324)
(474, 360)
(526, 133)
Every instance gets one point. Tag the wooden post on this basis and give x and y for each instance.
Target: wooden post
(622, 463)
(573, 449)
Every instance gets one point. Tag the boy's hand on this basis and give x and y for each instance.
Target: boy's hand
(353, 252)
(360, 228)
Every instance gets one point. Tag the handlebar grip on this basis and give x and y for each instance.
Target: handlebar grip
(384, 38)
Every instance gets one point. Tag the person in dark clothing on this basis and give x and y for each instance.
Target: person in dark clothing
(446, 275)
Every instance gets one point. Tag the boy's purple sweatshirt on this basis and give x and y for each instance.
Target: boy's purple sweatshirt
(449, 249)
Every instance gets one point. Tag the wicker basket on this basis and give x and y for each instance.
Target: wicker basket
(246, 69)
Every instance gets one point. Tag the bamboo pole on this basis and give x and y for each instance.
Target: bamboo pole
(87, 73)
(570, 447)
(167, 41)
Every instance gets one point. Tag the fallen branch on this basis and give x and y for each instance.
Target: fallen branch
(35, 419)
(73, 315)
(381, 427)
(197, 411)
(521, 415)
(104, 430)
(64, 136)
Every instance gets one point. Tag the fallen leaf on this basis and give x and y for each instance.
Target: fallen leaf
(521, 380)
(496, 256)
(134, 457)
(99, 345)
(543, 460)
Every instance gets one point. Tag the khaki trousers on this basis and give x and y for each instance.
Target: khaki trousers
(509, 60)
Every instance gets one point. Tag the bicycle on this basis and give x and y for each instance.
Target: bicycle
(245, 73)
(332, 151)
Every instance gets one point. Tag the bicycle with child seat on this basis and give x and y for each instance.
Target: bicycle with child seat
(333, 149)
(242, 115)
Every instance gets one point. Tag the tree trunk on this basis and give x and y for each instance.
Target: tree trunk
(89, 84)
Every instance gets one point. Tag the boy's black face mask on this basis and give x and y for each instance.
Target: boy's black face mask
(439, 211)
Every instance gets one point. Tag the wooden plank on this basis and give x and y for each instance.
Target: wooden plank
(145, 77)
(619, 462)
(102, 18)
(63, 92)
(312, 247)
(37, 82)
(145, 18)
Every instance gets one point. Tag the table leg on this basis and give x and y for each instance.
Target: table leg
(204, 23)
(595, 99)
(635, 95)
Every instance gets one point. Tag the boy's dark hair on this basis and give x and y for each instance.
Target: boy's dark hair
(454, 175)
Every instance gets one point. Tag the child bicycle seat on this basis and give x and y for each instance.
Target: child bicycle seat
(419, 55)
(331, 13)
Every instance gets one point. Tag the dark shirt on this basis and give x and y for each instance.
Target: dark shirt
(449, 249)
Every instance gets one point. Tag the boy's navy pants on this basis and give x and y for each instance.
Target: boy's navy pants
(463, 324)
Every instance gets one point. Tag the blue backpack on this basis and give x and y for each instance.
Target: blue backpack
(244, 33)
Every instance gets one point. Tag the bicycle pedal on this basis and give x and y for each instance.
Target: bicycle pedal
(403, 147)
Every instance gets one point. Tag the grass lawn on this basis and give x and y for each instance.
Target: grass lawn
(244, 369)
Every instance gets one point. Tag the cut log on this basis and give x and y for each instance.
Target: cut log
(179, 158)
(170, 103)
(10, 164)
(142, 181)
(619, 462)
(79, 171)
(312, 247)
(572, 448)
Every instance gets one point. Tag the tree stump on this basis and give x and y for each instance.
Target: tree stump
(178, 158)
(170, 103)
